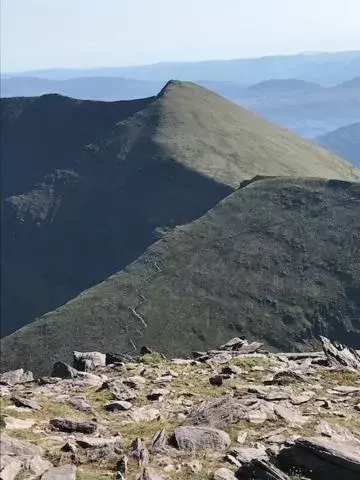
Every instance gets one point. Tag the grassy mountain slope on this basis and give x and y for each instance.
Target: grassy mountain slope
(344, 141)
(278, 260)
(87, 185)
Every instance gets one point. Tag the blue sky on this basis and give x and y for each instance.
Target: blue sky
(90, 33)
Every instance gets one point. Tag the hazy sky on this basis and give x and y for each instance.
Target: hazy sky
(87, 33)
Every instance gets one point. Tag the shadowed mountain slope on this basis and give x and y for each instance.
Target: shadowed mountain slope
(344, 141)
(277, 260)
(87, 185)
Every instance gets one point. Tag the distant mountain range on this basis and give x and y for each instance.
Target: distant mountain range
(88, 186)
(324, 68)
(344, 142)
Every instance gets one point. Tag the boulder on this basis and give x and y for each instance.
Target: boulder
(191, 438)
(14, 377)
(88, 361)
(70, 425)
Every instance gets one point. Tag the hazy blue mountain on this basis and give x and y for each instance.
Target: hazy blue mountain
(344, 141)
(323, 68)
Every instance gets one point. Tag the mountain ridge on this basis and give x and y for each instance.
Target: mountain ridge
(206, 279)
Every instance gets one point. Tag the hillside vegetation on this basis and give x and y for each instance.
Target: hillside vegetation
(277, 260)
(88, 186)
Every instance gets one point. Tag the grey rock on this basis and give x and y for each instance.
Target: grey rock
(220, 413)
(64, 472)
(158, 443)
(97, 442)
(139, 452)
(136, 382)
(14, 377)
(219, 358)
(70, 425)
(285, 378)
(118, 406)
(36, 464)
(246, 455)
(108, 452)
(157, 394)
(88, 361)
(25, 402)
(344, 390)
(290, 415)
(144, 414)
(249, 348)
(118, 390)
(17, 448)
(10, 467)
(201, 438)
(261, 470)
(80, 404)
(339, 355)
(320, 458)
(223, 474)
(234, 344)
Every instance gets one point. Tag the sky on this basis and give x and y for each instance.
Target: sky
(39, 34)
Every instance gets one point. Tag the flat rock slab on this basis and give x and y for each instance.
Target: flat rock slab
(64, 472)
(245, 455)
(223, 474)
(97, 442)
(201, 438)
(14, 377)
(321, 458)
(144, 414)
(25, 402)
(16, 448)
(291, 415)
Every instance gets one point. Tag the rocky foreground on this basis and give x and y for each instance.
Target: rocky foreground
(238, 412)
